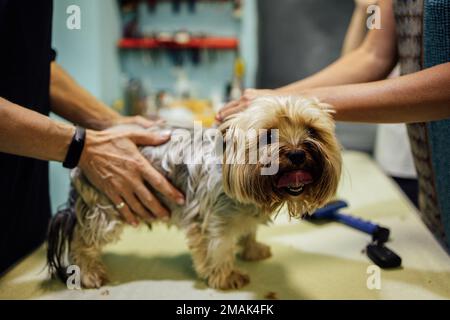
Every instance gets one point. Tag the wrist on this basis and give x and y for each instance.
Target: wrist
(283, 91)
(316, 93)
(75, 148)
(62, 135)
(112, 117)
(91, 139)
(99, 116)
(116, 119)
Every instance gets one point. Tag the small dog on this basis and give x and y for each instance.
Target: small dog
(225, 200)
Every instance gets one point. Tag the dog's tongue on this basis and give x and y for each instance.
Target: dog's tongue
(294, 178)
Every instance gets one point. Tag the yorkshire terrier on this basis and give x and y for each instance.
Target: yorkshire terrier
(228, 194)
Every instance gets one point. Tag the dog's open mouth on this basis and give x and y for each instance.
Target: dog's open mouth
(294, 182)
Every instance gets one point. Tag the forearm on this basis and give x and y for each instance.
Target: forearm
(356, 31)
(373, 60)
(27, 133)
(72, 102)
(356, 67)
(419, 97)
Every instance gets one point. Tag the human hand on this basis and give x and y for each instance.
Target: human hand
(139, 120)
(241, 104)
(113, 164)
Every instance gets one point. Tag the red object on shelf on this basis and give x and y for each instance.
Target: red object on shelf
(206, 43)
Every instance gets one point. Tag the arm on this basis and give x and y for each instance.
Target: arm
(419, 97)
(27, 133)
(356, 31)
(372, 61)
(111, 161)
(72, 102)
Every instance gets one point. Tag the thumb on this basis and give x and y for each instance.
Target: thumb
(145, 138)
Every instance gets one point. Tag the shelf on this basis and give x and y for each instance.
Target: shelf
(194, 43)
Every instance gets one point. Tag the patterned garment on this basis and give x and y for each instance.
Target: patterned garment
(409, 15)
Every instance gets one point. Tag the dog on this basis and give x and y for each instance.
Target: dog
(226, 200)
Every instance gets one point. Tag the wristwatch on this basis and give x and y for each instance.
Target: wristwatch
(75, 148)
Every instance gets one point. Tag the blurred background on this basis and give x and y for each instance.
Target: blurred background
(183, 59)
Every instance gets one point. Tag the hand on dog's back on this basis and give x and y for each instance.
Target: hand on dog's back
(113, 164)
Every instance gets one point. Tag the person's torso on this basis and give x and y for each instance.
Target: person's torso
(25, 55)
(423, 35)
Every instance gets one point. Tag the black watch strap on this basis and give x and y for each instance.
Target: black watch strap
(75, 148)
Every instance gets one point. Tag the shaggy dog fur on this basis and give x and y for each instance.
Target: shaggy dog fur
(225, 200)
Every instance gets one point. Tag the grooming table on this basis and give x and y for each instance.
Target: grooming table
(309, 261)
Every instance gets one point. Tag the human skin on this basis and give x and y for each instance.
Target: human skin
(354, 84)
(111, 161)
(356, 31)
(71, 101)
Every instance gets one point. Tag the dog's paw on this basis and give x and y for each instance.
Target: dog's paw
(256, 251)
(93, 279)
(234, 280)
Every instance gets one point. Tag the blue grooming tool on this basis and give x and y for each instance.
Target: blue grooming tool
(377, 251)
(330, 212)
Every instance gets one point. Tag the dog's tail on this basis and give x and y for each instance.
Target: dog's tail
(59, 237)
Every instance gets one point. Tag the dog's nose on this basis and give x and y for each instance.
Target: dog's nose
(297, 157)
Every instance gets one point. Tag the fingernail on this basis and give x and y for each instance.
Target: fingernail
(135, 224)
(180, 201)
(165, 134)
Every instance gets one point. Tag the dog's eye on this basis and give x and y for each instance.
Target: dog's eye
(312, 132)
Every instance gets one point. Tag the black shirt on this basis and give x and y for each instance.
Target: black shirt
(25, 57)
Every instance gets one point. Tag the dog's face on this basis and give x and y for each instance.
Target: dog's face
(296, 137)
